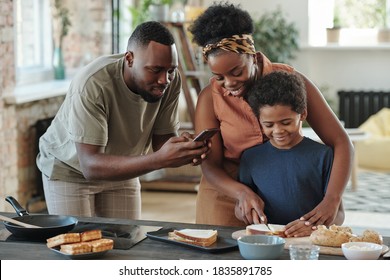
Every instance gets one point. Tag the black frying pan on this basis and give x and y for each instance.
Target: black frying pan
(50, 225)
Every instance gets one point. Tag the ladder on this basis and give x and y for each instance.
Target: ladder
(191, 75)
(184, 178)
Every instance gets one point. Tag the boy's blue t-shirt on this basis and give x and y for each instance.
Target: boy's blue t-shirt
(291, 182)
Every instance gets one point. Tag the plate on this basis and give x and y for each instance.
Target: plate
(91, 255)
(238, 233)
(385, 249)
(222, 243)
(124, 236)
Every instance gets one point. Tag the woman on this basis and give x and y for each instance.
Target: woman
(224, 31)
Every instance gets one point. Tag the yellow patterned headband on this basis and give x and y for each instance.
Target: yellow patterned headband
(237, 43)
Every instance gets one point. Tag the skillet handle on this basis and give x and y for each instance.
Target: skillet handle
(15, 204)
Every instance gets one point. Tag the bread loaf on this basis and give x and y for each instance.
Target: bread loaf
(368, 236)
(334, 236)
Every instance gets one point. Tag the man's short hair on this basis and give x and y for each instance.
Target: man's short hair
(150, 31)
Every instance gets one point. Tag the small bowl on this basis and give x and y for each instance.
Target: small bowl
(260, 247)
(361, 250)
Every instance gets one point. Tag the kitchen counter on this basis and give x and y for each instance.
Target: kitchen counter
(147, 249)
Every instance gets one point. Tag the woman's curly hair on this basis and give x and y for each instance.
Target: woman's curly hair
(220, 20)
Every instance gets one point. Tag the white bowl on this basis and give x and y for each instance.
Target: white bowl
(361, 250)
(261, 247)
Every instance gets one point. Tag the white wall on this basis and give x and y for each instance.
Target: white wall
(336, 67)
(346, 68)
(294, 10)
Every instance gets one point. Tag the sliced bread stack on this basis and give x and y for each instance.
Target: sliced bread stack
(81, 243)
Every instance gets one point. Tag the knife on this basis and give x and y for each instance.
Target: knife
(266, 224)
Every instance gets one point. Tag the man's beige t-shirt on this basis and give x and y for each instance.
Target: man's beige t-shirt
(99, 109)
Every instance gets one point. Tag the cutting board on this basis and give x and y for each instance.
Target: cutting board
(324, 250)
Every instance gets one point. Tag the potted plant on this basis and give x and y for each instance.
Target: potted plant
(333, 33)
(150, 10)
(61, 24)
(384, 31)
(275, 37)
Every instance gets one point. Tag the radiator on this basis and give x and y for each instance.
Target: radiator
(355, 107)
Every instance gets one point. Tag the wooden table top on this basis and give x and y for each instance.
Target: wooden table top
(147, 249)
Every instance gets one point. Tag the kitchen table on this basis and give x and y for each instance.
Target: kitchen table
(147, 249)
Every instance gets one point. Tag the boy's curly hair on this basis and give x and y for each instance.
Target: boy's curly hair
(278, 88)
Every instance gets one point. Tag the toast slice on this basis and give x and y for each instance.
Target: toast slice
(102, 244)
(76, 248)
(61, 239)
(91, 235)
(199, 237)
(277, 230)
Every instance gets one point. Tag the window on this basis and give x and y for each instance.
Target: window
(360, 14)
(33, 41)
(361, 21)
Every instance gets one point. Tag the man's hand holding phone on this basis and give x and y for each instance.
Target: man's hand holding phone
(206, 134)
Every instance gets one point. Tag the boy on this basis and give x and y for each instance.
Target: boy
(289, 172)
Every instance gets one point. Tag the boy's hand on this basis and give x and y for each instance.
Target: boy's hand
(298, 228)
(323, 214)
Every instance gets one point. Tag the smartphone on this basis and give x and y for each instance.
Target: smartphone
(206, 134)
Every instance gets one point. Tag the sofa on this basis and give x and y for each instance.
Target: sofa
(374, 153)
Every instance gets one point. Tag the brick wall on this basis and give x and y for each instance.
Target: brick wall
(89, 37)
(8, 157)
(90, 33)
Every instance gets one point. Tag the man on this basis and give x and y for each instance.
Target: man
(117, 107)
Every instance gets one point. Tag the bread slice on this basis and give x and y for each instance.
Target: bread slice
(102, 244)
(76, 248)
(61, 239)
(200, 237)
(277, 230)
(81, 243)
(91, 235)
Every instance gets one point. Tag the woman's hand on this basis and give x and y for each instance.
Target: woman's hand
(250, 208)
(298, 228)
